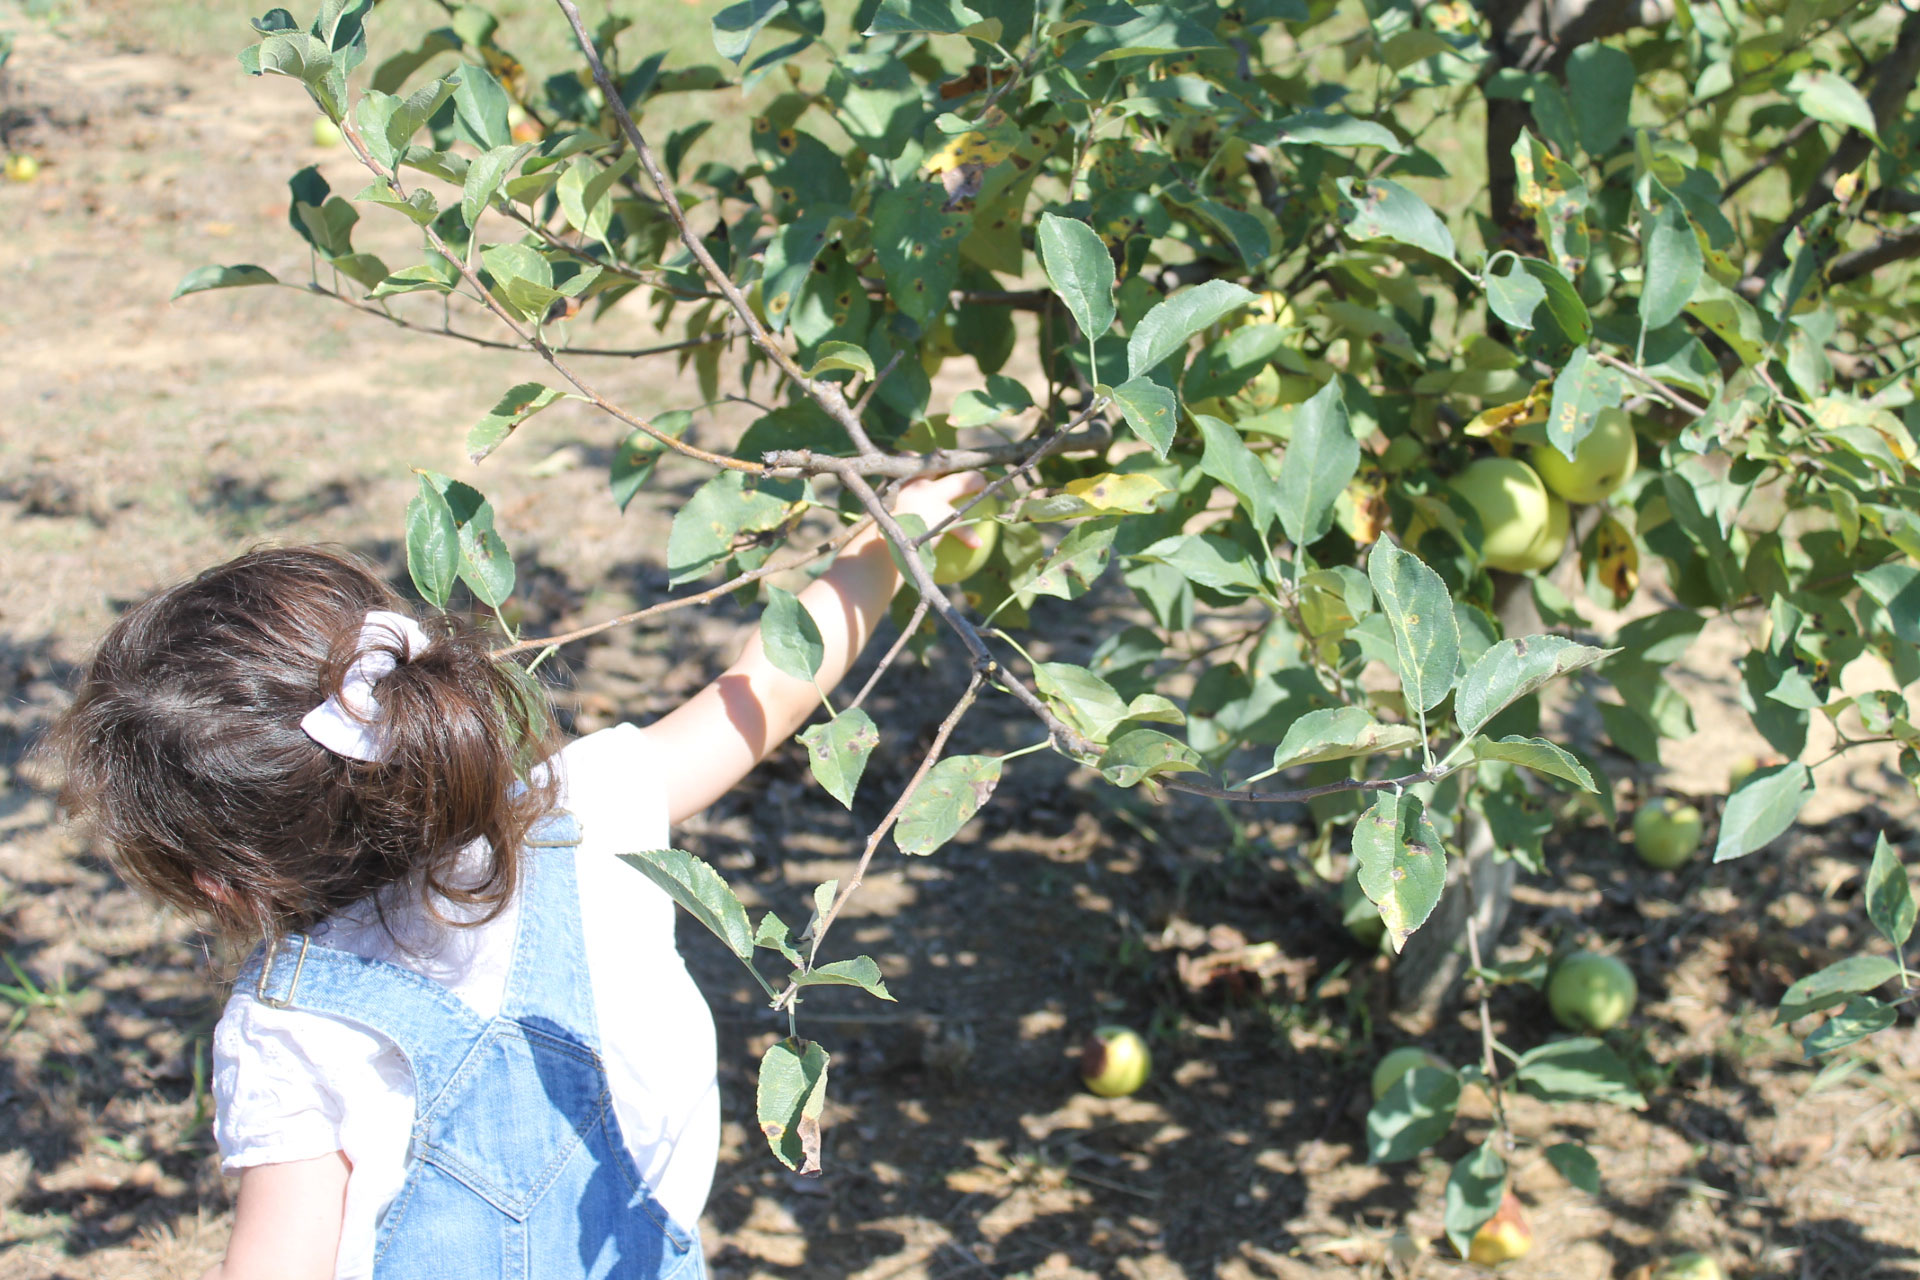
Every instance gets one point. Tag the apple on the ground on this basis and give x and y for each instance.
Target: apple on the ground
(1115, 1062)
(1591, 992)
(1689, 1266)
(1503, 1237)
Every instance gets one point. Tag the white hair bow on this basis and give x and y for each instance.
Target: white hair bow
(348, 724)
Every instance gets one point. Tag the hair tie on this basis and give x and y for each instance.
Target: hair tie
(348, 723)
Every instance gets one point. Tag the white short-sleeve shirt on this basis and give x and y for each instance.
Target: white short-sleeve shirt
(292, 1085)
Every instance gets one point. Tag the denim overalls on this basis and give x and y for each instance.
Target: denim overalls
(516, 1167)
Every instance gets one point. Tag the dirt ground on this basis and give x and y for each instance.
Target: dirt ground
(141, 440)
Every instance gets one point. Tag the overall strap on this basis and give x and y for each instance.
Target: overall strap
(548, 979)
(433, 1027)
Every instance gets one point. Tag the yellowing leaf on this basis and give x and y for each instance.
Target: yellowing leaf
(1527, 412)
(1132, 494)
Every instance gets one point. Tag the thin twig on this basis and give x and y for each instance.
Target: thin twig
(1176, 783)
(1046, 445)
(906, 634)
(441, 331)
(1651, 383)
(531, 337)
(668, 606)
(932, 757)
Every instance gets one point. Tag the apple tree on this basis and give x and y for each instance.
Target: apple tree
(1374, 345)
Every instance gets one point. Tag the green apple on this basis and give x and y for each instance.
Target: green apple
(1115, 1062)
(1742, 768)
(1591, 992)
(22, 167)
(1601, 463)
(1513, 506)
(955, 561)
(1398, 1063)
(325, 133)
(1503, 1237)
(1402, 453)
(1545, 553)
(1689, 1266)
(1666, 832)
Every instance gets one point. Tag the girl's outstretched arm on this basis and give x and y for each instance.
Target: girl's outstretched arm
(287, 1224)
(710, 742)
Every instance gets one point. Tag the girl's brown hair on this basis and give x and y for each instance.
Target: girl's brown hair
(184, 751)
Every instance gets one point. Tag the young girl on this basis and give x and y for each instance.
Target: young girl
(466, 1045)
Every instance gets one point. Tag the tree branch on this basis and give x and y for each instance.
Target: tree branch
(1647, 380)
(827, 917)
(1886, 250)
(668, 606)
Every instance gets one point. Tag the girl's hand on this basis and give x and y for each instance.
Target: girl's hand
(933, 500)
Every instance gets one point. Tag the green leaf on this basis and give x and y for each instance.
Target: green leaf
(918, 244)
(484, 176)
(1536, 754)
(1167, 328)
(201, 279)
(1075, 565)
(789, 636)
(1412, 1115)
(1582, 390)
(699, 888)
(914, 17)
(433, 545)
(1474, 1191)
(1575, 1069)
(1863, 1016)
(1227, 459)
(1831, 98)
(1380, 209)
(773, 934)
(634, 460)
(515, 407)
(585, 192)
(1511, 670)
(950, 794)
(1889, 894)
(418, 206)
(837, 752)
(841, 355)
(1319, 129)
(1150, 410)
(1517, 294)
(735, 26)
(1339, 733)
(1001, 398)
(1600, 91)
(1209, 560)
(788, 1102)
(1895, 588)
(719, 511)
(1146, 753)
(1080, 697)
(388, 123)
(480, 109)
(1671, 263)
(1577, 1165)
(1080, 270)
(1321, 459)
(1403, 865)
(485, 565)
(1765, 805)
(1426, 635)
(307, 59)
(1856, 975)
(859, 972)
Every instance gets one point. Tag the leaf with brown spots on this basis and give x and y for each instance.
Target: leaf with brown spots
(1403, 865)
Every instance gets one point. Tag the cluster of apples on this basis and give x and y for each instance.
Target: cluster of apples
(1524, 506)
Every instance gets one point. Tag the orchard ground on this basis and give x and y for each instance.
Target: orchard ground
(144, 440)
